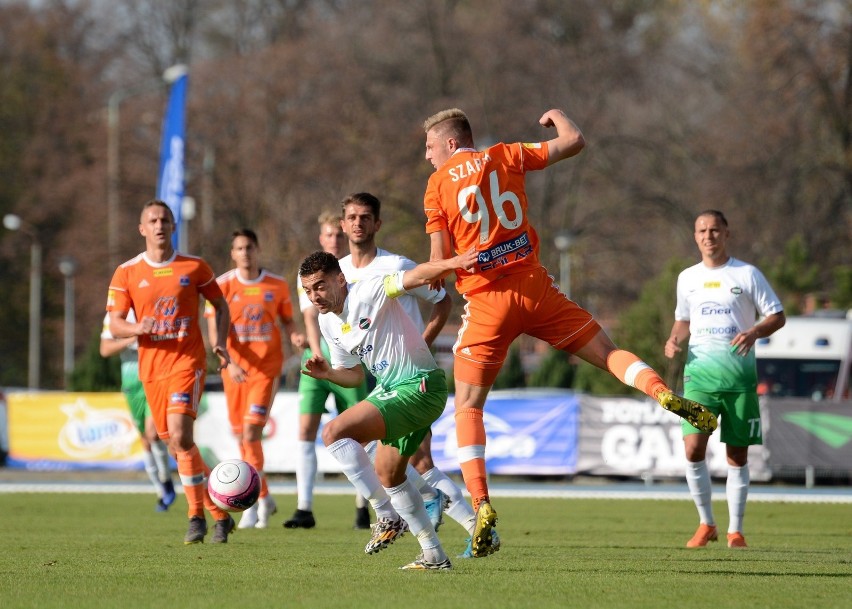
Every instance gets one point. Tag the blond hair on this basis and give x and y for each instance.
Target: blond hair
(451, 123)
(329, 217)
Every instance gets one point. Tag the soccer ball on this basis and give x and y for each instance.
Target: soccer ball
(234, 485)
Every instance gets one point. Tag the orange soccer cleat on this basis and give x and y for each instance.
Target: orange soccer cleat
(704, 534)
(736, 540)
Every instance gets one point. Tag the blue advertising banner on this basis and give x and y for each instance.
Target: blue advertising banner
(170, 180)
(532, 432)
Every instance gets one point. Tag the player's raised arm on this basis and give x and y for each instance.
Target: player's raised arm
(569, 140)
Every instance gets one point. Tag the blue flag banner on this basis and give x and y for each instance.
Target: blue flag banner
(170, 179)
(528, 432)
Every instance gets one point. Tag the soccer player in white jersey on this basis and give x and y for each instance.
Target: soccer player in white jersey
(314, 393)
(365, 324)
(723, 305)
(361, 221)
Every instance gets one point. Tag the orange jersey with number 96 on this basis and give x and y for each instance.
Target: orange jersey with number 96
(480, 198)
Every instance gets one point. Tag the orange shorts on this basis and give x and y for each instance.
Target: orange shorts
(521, 303)
(249, 402)
(178, 393)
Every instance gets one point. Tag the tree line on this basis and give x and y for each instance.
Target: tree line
(744, 107)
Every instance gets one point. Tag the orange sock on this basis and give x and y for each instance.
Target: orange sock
(632, 371)
(192, 479)
(470, 432)
(253, 452)
(193, 473)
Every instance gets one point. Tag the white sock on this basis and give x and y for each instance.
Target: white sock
(360, 502)
(419, 483)
(698, 480)
(356, 465)
(458, 509)
(161, 458)
(736, 490)
(371, 450)
(306, 474)
(151, 470)
(408, 502)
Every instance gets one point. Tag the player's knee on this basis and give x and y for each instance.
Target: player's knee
(330, 433)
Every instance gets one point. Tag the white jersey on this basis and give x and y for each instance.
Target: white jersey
(719, 303)
(386, 263)
(373, 328)
(131, 353)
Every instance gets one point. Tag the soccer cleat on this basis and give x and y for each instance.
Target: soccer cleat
(266, 508)
(197, 530)
(736, 540)
(421, 564)
(301, 519)
(385, 532)
(435, 508)
(362, 518)
(482, 540)
(169, 494)
(468, 551)
(249, 518)
(705, 534)
(694, 413)
(223, 528)
(161, 505)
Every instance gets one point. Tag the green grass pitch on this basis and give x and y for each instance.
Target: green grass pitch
(113, 550)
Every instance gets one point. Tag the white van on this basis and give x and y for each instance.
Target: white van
(809, 357)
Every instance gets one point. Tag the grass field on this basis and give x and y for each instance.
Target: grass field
(113, 550)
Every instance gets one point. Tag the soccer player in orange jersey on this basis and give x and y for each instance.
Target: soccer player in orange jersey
(163, 287)
(258, 300)
(476, 199)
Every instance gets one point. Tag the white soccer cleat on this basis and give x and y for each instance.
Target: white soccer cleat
(249, 518)
(265, 509)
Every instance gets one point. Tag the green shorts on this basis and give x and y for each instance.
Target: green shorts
(410, 408)
(738, 412)
(134, 393)
(313, 393)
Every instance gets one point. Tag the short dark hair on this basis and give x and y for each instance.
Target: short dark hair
(715, 213)
(159, 203)
(247, 233)
(319, 262)
(363, 198)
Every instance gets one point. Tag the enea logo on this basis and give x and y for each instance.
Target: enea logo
(166, 306)
(92, 432)
(833, 429)
(364, 323)
(253, 312)
(714, 308)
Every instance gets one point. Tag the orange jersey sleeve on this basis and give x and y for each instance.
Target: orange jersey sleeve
(170, 293)
(480, 198)
(256, 307)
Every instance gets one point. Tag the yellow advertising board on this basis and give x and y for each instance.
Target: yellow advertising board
(71, 431)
